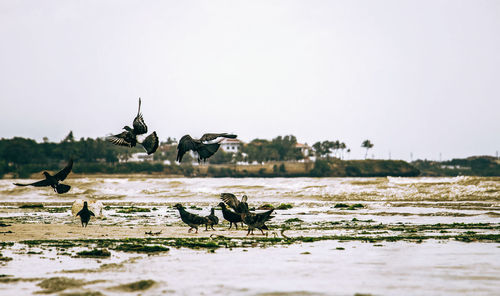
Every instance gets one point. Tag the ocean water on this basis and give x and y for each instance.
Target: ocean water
(328, 267)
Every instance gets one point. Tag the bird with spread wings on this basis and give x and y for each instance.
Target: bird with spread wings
(205, 146)
(128, 137)
(53, 180)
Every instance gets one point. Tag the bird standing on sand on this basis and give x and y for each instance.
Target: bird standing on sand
(230, 216)
(214, 220)
(191, 219)
(232, 201)
(128, 138)
(256, 220)
(53, 181)
(85, 214)
(205, 146)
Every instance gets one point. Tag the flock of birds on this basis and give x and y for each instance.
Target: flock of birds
(203, 147)
(241, 214)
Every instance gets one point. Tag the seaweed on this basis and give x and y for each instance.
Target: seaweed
(141, 248)
(284, 206)
(135, 286)
(133, 210)
(95, 253)
(31, 206)
(57, 284)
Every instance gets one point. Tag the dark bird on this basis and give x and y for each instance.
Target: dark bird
(205, 146)
(214, 220)
(230, 216)
(53, 181)
(256, 220)
(85, 214)
(232, 201)
(191, 219)
(128, 138)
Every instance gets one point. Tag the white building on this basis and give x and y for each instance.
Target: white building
(231, 145)
(138, 157)
(304, 149)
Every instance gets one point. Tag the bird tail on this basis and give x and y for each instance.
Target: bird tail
(62, 188)
(230, 136)
(151, 143)
(139, 110)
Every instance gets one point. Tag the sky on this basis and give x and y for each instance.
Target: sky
(418, 78)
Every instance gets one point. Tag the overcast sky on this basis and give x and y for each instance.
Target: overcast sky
(419, 77)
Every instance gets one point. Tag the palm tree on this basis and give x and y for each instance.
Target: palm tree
(367, 144)
(342, 147)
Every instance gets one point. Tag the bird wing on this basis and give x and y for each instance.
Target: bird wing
(151, 143)
(231, 200)
(62, 174)
(212, 136)
(207, 150)
(139, 125)
(186, 143)
(36, 184)
(120, 139)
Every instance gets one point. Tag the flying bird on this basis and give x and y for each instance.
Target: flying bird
(191, 219)
(53, 181)
(128, 137)
(205, 146)
(214, 220)
(256, 220)
(232, 201)
(230, 216)
(85, 214)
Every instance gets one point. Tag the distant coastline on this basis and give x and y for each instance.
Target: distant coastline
(280, 157)
(472, 166)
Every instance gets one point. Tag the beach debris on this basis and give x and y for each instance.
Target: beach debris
(153, 233)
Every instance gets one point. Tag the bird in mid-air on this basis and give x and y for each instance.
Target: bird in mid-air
(191, 219)
(53, 180)
(205, 146)
(128, 137)
(85, 214)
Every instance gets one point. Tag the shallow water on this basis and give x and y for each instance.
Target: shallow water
(431, 207)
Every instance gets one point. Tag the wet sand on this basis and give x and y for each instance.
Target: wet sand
(22, 232)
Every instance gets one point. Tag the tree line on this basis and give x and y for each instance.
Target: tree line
(23, 156)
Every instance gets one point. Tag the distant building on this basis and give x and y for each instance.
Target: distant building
(231, 145)
(304, 149)
(139, 157)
